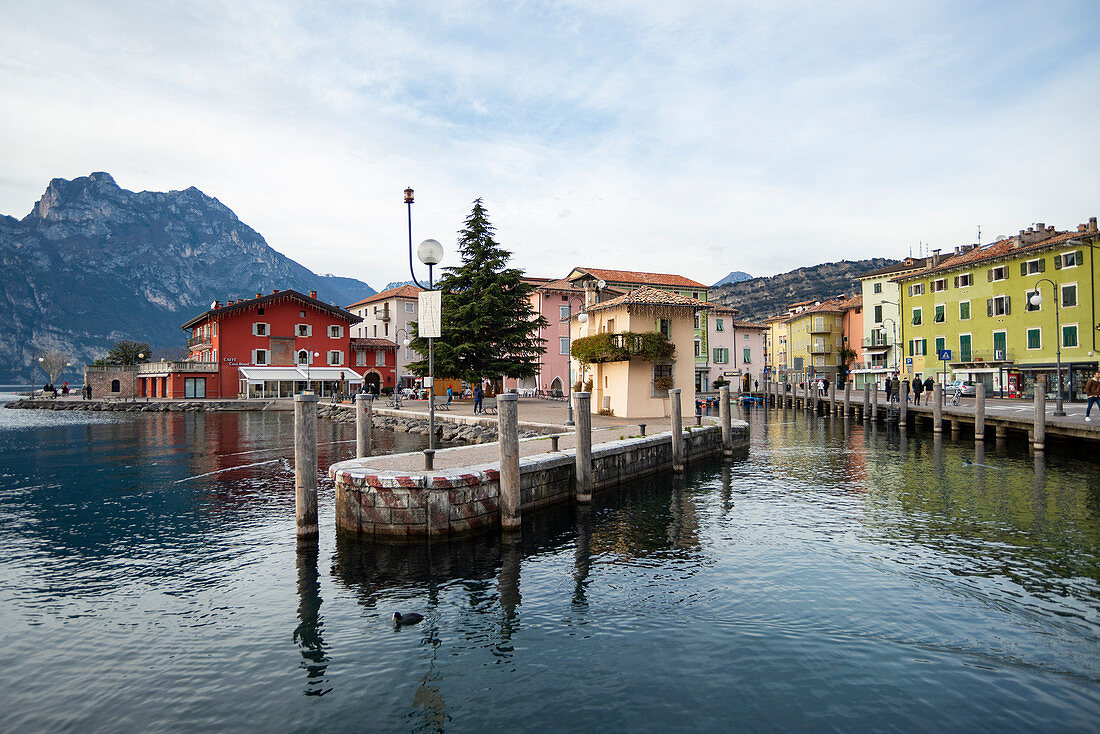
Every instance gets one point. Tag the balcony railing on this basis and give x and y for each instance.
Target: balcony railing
(163, 367)
(877, 343)
(820, 349)
(600, 348)
(199, 341)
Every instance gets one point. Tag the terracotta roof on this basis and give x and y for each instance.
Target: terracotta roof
(909, 263)
(749, 325)
(370, 342)
(854, 302)
(724, 310)
(635, 278)
(834, 305)
(561, 284)
(401, 291)
(269, 298)
(647, 296)
(1002, 249)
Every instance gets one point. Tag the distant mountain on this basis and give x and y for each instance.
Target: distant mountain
(736, 276)
(94, 263)
(397, 284)
(758, 298)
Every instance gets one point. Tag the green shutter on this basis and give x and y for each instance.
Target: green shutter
(1023, 268)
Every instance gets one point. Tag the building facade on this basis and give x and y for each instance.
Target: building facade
(387, 315)
(880, 337)
(974, 309)
(736, 349)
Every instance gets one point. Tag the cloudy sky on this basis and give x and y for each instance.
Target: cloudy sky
(691, 137)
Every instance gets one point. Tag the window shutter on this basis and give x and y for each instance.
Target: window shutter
(910, 347)
(1008, 305)
(1023, 268)
(924, 346)
(1080, 256)
(956, 281)
(1057, 262)
(1042, 266)
(989, 274)
(989, 307)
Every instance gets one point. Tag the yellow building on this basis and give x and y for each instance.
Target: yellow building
(815, 338)
(635, 347)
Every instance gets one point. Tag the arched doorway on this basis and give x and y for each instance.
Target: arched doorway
(373, 381)
(557, 387)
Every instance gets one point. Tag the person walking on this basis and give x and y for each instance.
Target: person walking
(889, 387)
(928, 384)
(450, 394)
(918, 388)
(479, 395)
(1092, 392)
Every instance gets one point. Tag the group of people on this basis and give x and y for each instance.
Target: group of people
(49, 389)
(917, 389)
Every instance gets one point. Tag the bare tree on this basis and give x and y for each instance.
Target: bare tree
(52, 363)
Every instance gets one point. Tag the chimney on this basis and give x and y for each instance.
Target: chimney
(1092, 225)
(275, 291)
(217, 305)
(313, 294)
(1082, 227)
(935, 257)
(1040, 226)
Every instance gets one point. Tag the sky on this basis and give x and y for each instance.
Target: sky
(689, 137)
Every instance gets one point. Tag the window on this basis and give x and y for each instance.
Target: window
(878, 314)
(964, 310)
(302, 314)
(695, 295)
(563, 313)
(696, 319)
(664, 326)
(563, 345)
(260, 329)
(718, 324)
(819, 323)
(335, 332)
(303, 330)
(746, 356)
(379, 357)
(698, 347)
(941, 344)
(1069, 335)
(1069, 295)
(1034, 340)
(260, 311)
(940, 314)
(998, 306)
(410, 307)
(918, 347)
(964, 281)
(965, 352)
(917, 317)
(917, 289)
(376, 329)
(259, 356)
(194, 387)
(1031, 267)
(745, 337)
(360, 358)
(116, 386)
(1000, 273)
(721, 355)
(940, 284)
(798, 363)
(877, 288)
(303, 357)
(1068, 259)
(1028, 305)
(335, 357)
(662, 379)
(819, 361)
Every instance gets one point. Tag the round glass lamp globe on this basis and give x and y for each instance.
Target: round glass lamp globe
(430, 252)
(406, 342)
(582, 318)
(1036, 299)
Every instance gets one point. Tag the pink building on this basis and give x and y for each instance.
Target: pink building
(853, 328)
(555, 300)
(736, 349)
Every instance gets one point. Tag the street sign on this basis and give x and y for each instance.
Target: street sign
(908, 360)
(429, 324)
(945, 354)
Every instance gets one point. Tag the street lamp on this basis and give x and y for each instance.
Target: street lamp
(582, 318)
(430, 253)
(1037, 301)
(894, 327)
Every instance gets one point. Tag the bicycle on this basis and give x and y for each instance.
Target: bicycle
(956, 396)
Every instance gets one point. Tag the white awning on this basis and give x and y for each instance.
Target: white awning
(260, 375)
(331, 374)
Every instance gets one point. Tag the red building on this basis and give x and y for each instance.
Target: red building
(376, 361)
(272, 345)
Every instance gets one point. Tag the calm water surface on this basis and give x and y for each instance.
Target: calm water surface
(836, 579)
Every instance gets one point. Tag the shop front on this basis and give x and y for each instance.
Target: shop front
(286, 382)
(1074, 377)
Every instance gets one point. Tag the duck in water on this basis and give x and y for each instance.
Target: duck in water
(410, 618)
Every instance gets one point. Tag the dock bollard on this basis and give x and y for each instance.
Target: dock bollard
(847, 397)
(937, 408)
(508, 439)
(979, 412)
(867, 399)
(677, 430)
(582, 414)
(903, 404)
(642, 426)
(429, 459)
(554, 443)
(698, 419)
(363, 424)
(1039, 437)
(305, 464)
(725, 419)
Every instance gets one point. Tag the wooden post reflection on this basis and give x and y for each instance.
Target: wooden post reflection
(308, 632)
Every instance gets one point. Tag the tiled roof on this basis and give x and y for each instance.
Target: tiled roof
(401, 291)
(561, 284)
(909, 263)
(370, 342)
(1001, 249)
(269, 298)
(646, 296)
(835, 305)
(854, 302)
(720, 310)
(635, 278)
(749, 325)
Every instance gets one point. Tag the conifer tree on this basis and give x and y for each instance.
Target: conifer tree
(489, 329)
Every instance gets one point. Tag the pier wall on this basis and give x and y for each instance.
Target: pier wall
(448, 503)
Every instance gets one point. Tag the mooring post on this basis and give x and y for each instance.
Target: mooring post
(554, 443)
(847, 397)
(305, 464)
(642, 426)
(979, 412)
(725, 419)
(874, 403)
(508, 438)
(363, 410)
(937, 408)
(1039, 439)
(582, 414)
(832, 397)
(677, 430)
(815, 397)
(867, 399)
(903, 404)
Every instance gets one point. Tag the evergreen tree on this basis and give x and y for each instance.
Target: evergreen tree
(489, 329)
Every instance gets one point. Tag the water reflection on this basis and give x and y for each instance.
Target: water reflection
(308, 633)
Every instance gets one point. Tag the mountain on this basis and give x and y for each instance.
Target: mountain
(758, 298)
(396, 284)
(736, 276)
(94, 263)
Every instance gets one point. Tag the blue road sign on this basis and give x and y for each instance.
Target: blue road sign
(908, 360)
(945, 354)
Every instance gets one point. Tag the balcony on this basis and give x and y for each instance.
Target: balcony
(199, 342)
(601, 348)
(820, 349)
(877, 344)
(161, 368)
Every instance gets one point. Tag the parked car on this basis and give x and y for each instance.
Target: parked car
(967, 387)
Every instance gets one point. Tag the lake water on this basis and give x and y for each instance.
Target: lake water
(836, 579)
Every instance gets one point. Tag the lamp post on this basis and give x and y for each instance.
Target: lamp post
(133, 391)
(309, 361)
(396, 374)
(40, 361)
(894, 326)
(1037, 300)
(582, 318)
(430, 253)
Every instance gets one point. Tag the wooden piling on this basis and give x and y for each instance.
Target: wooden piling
(725, 419)
(937, 408)
(903, 405)
(305, 464)
(677, 430)
(363, 424)
(582, 414)
(874, 404)
(1039, 433)
(979, 412)
(508, 438)
(867, 399)
(847, 397)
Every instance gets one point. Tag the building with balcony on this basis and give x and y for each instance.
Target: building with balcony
(635, 348)
(387, 315)
(974, 308)
(881, 322)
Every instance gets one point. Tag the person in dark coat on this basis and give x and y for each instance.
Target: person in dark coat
(889, 387)
(918, 388)
(479, 395)
(928, 384)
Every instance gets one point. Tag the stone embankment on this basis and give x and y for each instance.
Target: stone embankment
(159, 406)
(447, 428)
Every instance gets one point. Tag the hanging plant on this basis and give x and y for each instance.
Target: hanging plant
(598, 348)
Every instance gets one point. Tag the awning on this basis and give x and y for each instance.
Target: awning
(260, 375)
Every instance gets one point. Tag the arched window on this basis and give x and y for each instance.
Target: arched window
(303, 356)
(116, 386)
(556, 387)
